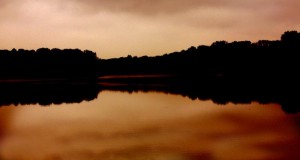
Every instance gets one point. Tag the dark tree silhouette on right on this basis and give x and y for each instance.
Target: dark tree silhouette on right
(291, 39)
(267, 69)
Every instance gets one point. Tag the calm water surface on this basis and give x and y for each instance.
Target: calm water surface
(148, 126)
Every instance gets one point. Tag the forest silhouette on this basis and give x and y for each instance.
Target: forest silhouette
(265, 59)
(241, 71)
(47, 64)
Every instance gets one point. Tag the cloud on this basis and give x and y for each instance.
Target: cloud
(146, 7)
(219, 14)
(171, 7)
(116, 28)
(3, 3)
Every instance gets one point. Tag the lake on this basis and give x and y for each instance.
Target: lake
(148, 126)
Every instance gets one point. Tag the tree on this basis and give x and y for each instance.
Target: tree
(219, 44)
(13, 50)
(291, 38)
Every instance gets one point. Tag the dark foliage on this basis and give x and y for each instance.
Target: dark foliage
(46, 63)
(239, 72)
(263, 61)
(46, 94)
(219, 91)
(265, 71)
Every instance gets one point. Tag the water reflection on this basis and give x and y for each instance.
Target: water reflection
(120, 125)
(46, 94)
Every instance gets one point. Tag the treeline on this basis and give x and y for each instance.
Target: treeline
(264, 60)
(46, 63)
(265, 71)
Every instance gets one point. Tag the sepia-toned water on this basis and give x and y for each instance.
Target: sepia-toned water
(148, 126)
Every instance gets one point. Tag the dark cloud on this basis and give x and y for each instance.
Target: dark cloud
(285, 12)
(151, 23)
(8, 10)
(147, 7)
(154, 7)
(215, 13)
(4, 3)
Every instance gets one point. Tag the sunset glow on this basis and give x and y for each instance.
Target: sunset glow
(139, 27)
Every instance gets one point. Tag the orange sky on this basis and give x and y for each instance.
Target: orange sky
(117, 28)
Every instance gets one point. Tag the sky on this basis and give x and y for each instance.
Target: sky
(115, 28)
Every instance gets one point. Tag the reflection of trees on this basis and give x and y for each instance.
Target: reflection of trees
(58, 93)
(46, 94)
(218, 94)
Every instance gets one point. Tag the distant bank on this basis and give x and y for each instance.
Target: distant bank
(262, 61)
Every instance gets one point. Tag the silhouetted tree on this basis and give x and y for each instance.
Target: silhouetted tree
(46, 63)
(291, 38)
(219, 44)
